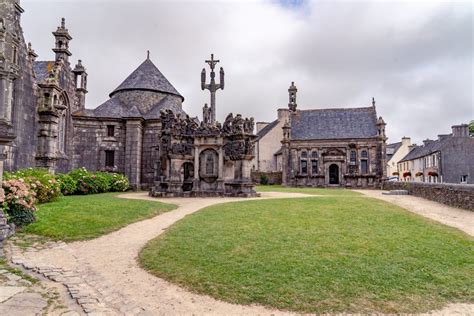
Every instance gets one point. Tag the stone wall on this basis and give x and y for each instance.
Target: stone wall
(273, 177)
(457, 195)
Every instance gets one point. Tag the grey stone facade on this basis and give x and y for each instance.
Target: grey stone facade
(44, 122)
(38, 97)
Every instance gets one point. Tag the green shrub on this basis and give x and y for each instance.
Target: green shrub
(98, 182)
(43, 183)
(102, 181)
(119, 183)
(67, 184)
(18, 201)
(263, 179)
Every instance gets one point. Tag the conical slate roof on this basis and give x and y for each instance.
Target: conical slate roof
(147, 77)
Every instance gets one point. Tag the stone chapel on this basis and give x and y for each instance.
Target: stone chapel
(335, 147)
(141, 131)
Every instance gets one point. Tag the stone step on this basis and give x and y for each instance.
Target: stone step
(396, 192)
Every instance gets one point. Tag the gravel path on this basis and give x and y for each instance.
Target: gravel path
(105, 278)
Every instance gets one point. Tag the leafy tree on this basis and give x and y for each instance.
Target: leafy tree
(471, 128)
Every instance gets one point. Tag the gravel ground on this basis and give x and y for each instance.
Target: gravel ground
(109, 263)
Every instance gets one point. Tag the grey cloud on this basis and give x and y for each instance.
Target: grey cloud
(414, 58)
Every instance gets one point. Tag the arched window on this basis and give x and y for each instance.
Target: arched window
(304, 155)
(314, 154)
(364, 154)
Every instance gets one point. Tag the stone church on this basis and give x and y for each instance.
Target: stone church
(140, 131)
(342, 147)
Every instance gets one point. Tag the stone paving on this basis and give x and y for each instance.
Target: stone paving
(86, 288)
(22, 295)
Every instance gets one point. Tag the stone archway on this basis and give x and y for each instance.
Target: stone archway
(333, 174)
(188, 176)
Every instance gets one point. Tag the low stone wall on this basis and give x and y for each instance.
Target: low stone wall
(273, 177)
(457, 195)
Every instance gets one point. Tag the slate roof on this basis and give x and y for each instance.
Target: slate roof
(114, 108)
(264, 131)
(334, 124)
(40, 69)
(147, 77)
(426, 149)
(392, 149)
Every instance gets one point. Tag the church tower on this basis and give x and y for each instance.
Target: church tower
(62, 42)
(292, 97)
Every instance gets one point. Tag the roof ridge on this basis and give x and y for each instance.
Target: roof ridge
(337, 109)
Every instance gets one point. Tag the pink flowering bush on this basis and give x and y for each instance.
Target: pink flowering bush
(18, 201)
(43, 183)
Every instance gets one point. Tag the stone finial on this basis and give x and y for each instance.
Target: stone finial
(63, 23)
(373, 101)
(147, 54)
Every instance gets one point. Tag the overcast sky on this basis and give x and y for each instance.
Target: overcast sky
(415, 58)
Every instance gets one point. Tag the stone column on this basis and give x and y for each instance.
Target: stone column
(8, 100)
(133, 151)
(2, 97)
(220, 171)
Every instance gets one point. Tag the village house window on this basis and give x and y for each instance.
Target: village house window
(110, 158)
(464, 178)
(110, 130)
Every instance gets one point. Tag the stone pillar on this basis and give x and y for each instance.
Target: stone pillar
(220, 171)
(8, 100)
(2, 96)
(133, 151)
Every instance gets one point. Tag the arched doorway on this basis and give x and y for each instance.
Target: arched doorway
(188, 176)
(333, 174)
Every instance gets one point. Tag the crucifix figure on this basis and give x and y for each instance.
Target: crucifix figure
(212, 86)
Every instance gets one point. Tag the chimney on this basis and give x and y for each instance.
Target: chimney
(406, 141)
(443, 136)
(427, 141)
(411, 147)
(261, 125)
(283, 114)
(460, 130)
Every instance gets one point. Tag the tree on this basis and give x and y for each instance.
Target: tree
(471, 128)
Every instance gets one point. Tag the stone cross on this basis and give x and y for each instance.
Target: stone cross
(212, 86)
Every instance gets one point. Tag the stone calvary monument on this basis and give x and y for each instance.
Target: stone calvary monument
(206, 158)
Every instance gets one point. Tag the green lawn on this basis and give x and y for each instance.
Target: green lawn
(82, 217)
(325, 254)
(315, 191)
